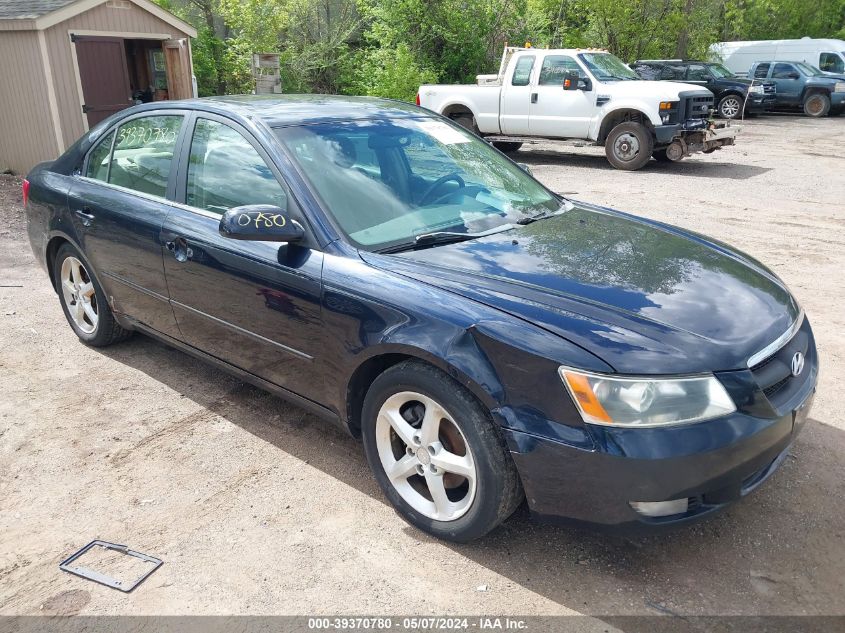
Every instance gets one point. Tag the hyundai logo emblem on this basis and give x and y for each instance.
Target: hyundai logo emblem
(797, 363)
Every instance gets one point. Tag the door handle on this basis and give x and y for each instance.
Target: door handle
(180, 250)
(533, 97)
(85, 215)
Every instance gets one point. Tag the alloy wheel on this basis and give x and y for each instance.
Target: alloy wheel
(79, 295)
(730, 107)
(425, 456)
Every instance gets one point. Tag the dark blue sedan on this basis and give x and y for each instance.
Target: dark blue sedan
(487, 339)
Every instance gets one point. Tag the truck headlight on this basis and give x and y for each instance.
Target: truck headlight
(756, 90)
(639, 402)
(839, 87)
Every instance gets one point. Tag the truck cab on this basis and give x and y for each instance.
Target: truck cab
(578, 95)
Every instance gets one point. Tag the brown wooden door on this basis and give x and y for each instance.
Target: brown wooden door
(177, 59)
(104, 76)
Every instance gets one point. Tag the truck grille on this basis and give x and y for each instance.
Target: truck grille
(770, 89)
(698, 107)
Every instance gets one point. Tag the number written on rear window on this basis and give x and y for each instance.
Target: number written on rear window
(143, 153)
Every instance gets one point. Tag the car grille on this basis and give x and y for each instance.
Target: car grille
(774, 373)
(698, 107)
(770, 89)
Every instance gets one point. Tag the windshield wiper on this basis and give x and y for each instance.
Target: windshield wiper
(543, 215)
(442, 237)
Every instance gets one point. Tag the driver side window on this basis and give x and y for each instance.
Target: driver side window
(226, 171)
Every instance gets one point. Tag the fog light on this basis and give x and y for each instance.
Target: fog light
(660, 508)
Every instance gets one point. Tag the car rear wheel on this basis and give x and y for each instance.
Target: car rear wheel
(466, 121)
(730, 107)
(83, 300)
(629, 146)
(436, 453)
(817, 105)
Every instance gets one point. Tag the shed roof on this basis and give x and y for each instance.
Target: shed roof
(42, 14)
(29, 9)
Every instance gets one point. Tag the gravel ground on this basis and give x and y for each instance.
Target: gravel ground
(257, 507)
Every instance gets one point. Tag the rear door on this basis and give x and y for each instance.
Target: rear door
(104, 76)
(556, 112)
(515, 97)
(255, 305)
(118, 204)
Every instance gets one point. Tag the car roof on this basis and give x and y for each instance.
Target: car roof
(295, 109)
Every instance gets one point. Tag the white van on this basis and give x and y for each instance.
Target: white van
(826, 55)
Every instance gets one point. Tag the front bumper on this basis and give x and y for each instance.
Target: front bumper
(759, 103)
(696, 135)
(711, 463)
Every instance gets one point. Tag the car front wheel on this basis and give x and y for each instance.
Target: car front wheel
(730, 107)
(83, 300)
(436, 453)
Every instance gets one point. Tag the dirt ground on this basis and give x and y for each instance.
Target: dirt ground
(257, 507)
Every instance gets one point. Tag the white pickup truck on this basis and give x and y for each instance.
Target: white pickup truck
(583, 95)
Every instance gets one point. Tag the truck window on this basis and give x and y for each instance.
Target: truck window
(522, 71)
(761, 71)
(831, 63)
(782, 71)
(554, 69)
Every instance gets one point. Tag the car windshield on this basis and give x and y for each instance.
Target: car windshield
(607, 67)
(808, 70)
(388, 181)
(719, 71)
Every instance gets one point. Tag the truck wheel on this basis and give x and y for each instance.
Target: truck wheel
(730, 107)
(466, 121)
(817, 105)
(629, 146)
(507, 147)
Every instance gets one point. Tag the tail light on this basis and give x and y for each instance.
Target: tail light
(418, 98)
(25, 191)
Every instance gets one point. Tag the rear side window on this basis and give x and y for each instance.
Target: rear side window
(672, 73)
(98, 160)
(554, 70)
(522, 71)
(143, 153)
(226, 171)
(831, 63)
(762, 71)
(698, 72)
(782, 71)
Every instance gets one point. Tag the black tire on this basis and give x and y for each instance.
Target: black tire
(466, 121)
(498, 490)
(817, 105)
(506, 147)
(661, 157)
(730, 106)
(620, 138)
(107, 330)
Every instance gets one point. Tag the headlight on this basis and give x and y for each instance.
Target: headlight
(839, 87)
(643, 402)
(756, 90)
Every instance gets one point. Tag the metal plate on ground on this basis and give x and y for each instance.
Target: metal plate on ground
(139, 567)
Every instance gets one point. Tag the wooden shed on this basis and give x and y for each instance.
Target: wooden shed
(65, 65)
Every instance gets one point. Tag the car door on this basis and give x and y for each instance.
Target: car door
(118, 203)
(556, 112)
(515, 97)
(789, 81)
(699, 74)
(253, 304)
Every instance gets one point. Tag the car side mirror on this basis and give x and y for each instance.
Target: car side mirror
(793, 75)
(260, 222)
(570, 80)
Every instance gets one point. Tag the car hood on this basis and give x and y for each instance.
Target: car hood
(645, 297)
